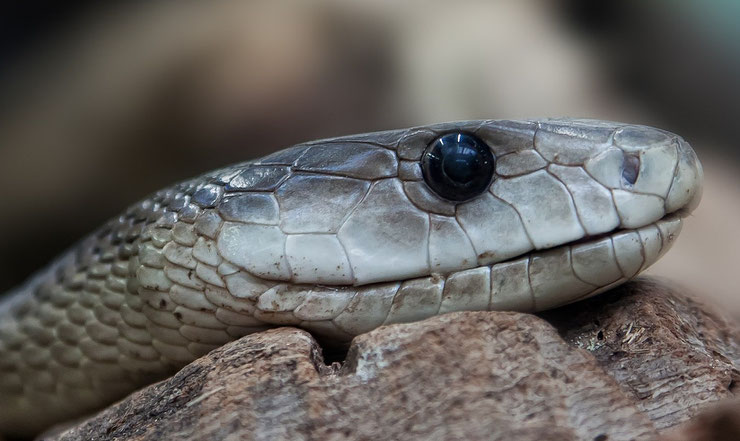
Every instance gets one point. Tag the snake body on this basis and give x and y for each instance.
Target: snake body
(338, 237)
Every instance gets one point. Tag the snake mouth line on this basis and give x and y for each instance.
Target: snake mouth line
(552, 277)
(671, 217)
(597, 237)
(531, 282)
(589, 239)
(677, 215)
(656, 226)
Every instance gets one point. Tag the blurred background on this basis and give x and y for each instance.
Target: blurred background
(103, 103)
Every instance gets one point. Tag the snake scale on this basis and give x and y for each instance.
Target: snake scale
(338, 237)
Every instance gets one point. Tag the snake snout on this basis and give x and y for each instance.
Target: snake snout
(650, 173)
(688, 181)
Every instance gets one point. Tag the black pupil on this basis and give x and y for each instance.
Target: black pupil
(461, 163)
(458, 166)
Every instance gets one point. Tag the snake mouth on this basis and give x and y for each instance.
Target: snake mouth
(676, 215)
(531, 282)
(576, 270)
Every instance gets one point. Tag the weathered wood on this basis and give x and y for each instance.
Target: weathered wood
(670, 353)
(608, 367)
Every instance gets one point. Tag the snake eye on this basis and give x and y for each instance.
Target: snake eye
(457, 166)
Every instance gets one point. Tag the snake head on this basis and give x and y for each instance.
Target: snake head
(342, 235)
(365, 209)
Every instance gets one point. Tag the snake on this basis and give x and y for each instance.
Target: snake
(338, 237)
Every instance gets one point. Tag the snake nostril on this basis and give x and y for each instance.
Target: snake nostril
(630, 168)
